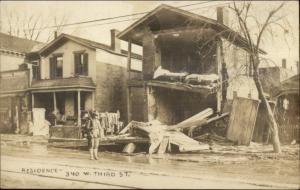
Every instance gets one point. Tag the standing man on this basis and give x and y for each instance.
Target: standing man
(94, 133)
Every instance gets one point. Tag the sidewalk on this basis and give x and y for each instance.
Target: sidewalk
(22, 139)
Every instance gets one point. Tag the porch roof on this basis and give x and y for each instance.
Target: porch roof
(205, 90)
(63, 84)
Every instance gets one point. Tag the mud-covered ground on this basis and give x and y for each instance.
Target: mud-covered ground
(230, 167)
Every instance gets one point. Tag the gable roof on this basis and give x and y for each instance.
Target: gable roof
(166, 17)
(16, 44)
(290, 85)
(62, 38)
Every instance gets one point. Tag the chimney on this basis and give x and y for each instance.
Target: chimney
(55, 34)
(283, 65)
(223, 15)
(115, 42)
(297, 66)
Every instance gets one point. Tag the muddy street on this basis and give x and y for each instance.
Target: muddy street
(116, 170)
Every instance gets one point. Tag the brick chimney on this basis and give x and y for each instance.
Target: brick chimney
(283, 64)
(114, 41)
(223, 15)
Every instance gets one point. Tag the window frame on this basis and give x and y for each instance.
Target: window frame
(81, 63)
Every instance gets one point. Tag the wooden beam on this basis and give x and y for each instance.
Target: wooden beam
(32, 101)
(129, 58)
(128, 91)
(78, 109)
(54, 101)
(93, 100)
(175, 86)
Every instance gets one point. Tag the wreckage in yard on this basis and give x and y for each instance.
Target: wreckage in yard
(193, 69)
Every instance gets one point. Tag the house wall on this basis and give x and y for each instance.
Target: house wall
(68, 50)
(111, 83)
(237, 62)
(88, 101)
(69, 104)
(270, 78)
(10, 61)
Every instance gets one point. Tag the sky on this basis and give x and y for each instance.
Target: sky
(277, 47)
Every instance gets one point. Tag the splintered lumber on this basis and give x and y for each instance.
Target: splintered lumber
(185, 143)
(125, 129)
(163, 145)
(129, 148)
(242, 120)
(206, 122)
(197, 119)
(161, 137)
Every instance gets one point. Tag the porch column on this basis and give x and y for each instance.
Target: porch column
(129, 59)
(78, 109)
(93, 100)
(128, 93)
(54, 101)
(32, 101)
(54, 105)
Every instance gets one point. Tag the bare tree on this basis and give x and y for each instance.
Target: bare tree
(32, 25)
(253, 41)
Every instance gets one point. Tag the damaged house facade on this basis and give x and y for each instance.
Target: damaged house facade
(190, 63)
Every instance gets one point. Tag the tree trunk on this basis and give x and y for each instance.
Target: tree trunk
(270, 119)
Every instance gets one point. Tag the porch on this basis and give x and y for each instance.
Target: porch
(63, 101)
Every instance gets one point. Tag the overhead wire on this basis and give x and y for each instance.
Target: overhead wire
(116, 17)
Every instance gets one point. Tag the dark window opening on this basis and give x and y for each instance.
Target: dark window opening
(81, 63)
(56, 67)
(35, 70)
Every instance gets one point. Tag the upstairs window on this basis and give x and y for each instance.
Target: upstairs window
(35, 70)
(56, 66)
(81, 63)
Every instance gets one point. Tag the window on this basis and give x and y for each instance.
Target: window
(81, 63)
(56, 66)
(35, 69)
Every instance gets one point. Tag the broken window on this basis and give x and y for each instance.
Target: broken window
(81, 63)
(56, 66)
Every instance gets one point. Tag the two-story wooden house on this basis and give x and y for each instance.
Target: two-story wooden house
(74, 74)
(197, 57)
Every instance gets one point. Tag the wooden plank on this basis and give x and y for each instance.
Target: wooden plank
(163, 145)
(194, 120)
(242, 120)
(125, 129)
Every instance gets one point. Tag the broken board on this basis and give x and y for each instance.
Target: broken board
(242, 120)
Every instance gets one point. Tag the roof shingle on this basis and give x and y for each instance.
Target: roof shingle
(13, 43)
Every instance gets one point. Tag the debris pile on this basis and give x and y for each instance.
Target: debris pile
(164, 138)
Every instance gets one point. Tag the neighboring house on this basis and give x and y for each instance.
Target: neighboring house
(272, 76)
(287, 109)
(14, 80)
(75, 74)
(183, 42)
(13, 51)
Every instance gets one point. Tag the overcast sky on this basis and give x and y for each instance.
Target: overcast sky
(100, 31)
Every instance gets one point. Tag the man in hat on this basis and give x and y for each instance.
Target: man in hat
(94, 133)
